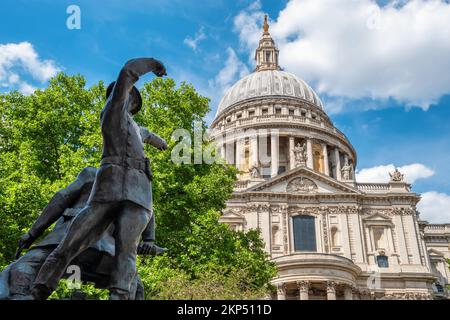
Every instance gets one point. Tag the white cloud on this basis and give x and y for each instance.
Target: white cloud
(412, 173)
(233, 70)
(434, 207)
(193, 42)
(248, 24)
(357, 49)
(22, 57)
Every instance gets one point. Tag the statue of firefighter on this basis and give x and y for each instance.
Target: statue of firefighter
(121, 193)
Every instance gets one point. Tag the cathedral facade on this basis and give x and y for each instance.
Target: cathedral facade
(331, 237)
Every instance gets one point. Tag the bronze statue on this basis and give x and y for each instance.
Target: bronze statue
(95, 263)
(121, 193)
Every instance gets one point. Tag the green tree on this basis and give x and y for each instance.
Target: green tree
(48, 137)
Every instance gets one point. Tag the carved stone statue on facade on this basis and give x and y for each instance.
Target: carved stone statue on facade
(254, 172)
(300, 155)
(121, 193)
(301, 185)
(396, 176)
(346, 171)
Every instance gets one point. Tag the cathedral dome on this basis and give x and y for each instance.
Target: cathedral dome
(268, 83)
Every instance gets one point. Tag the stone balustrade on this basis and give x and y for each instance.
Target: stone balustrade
(437, 228)
(373, 187)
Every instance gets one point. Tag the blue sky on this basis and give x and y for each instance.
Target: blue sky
(386, 84)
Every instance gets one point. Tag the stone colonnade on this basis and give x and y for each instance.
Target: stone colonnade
(304, 289)
(232, 152)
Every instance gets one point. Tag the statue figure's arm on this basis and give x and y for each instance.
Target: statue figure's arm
(153, 139)
(130, 74)
(53, 211)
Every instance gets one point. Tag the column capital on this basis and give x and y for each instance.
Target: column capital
(281, 288)
(303, 285)
(331, 286)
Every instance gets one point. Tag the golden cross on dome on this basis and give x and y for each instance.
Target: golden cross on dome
(266, 25)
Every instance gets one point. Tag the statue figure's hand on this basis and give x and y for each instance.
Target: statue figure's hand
(24, 243)
(163, 146)
(145, 247)
(159, 70)
(149, 248)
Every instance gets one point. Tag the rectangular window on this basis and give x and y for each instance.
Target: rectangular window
(304, 233)
(382, 261)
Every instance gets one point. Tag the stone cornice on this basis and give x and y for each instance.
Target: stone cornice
(303, 172)
(274, 100)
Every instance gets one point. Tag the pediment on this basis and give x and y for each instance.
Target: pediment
(377, 217)
(303, 180)
(232, 214)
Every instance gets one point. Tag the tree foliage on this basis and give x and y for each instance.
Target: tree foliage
(48, 137)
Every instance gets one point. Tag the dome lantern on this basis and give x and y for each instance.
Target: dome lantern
(266, 54)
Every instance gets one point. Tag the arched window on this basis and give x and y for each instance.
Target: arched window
(304, 233)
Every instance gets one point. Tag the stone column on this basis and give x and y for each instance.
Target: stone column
(310, 160)
(223, 152)
(331, 290)
(254, 148)
(274, 149)
(281, 291)
(239, 150)
(355, 293)
(291, 153)
(338, 164)
(303, 287)
(325, 160)
(230, 153)
(348, 293)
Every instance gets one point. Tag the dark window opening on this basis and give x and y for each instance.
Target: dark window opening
(304, 233)
(382, 261)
